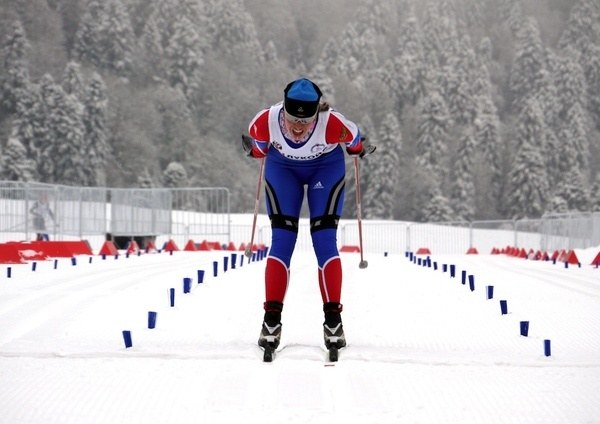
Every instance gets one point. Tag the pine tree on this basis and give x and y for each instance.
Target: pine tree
(72, 80)
(595, 195)
(177, 129)
(571, 100)
(380, 199)
(571, 194)
(458, 77)
(61, 158)
(402, 73)
(15, 165)
(28, 124)
(582, 34)
(582, 27)
(357, 54)
(105, 36)
(528, 64)
(433, 123)
(89, 37)
(96, 149)
(591, 68)
(185, 58)
(118, 40)
(14, 79)
(528, 190)
(486, 129)
(463, 185)
(231, 30)
(144, 179)
(175, 176)
(438, 208)
(153, 59)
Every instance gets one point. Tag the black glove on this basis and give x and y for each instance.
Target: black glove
(247, 143)
(367, 149)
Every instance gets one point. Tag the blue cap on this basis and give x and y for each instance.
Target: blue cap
(302, 98)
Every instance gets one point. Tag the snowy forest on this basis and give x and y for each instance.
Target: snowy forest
(480, 109)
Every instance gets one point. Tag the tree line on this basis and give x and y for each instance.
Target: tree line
(480, 109)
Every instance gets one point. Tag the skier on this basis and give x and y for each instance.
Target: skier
(300, 140)
(41, 213)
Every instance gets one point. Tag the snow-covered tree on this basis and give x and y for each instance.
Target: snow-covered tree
(571, 193)
(582, 28)
(438, 208)
(231, 30)
(105, 36)
(528, 190)
(144, 179)
(184, 57)
(118, 38)
(463, 184)
(458, 76)
(72, 80)
(175, 176)
(433, 122)
(89, 37)
(14, 163)
(384, 171)
(28, 125)
(14, 78)
(61, 149)
(96, 149)
(487, 134)
(402, 73)
(528, 63)
(595, 194)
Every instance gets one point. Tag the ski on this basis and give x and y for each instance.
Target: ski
(268, 353)
(333, 353)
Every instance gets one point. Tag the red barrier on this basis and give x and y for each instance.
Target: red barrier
(63, 249)
(190, 246)
(9, 254)
(171, 246)
(109, 249)
(133, 248)
(572, 258)
(18, 252)
(348, 248)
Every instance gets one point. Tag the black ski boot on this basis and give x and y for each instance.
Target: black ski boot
(333, 330)
(270, 334)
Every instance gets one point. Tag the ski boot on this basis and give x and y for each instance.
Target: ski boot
(270, 334)
(333, 330)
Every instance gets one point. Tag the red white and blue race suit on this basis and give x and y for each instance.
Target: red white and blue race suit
(317, 163)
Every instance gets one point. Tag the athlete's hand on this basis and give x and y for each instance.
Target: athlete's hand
(366, 149)
(247, 143)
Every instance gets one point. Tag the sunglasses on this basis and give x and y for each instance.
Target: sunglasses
(295, 119)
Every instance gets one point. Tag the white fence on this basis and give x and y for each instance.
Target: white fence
(198, 214)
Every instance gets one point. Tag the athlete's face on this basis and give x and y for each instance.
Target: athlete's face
(297, 127)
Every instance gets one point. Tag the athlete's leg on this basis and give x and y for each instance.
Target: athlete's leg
(284, 195)
(326, 200)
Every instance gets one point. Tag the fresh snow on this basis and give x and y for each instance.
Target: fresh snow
(422, 347)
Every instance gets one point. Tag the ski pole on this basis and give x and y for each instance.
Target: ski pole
(248, 251)
(363, 263)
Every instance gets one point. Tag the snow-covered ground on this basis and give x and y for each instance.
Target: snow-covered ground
(422, 347)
